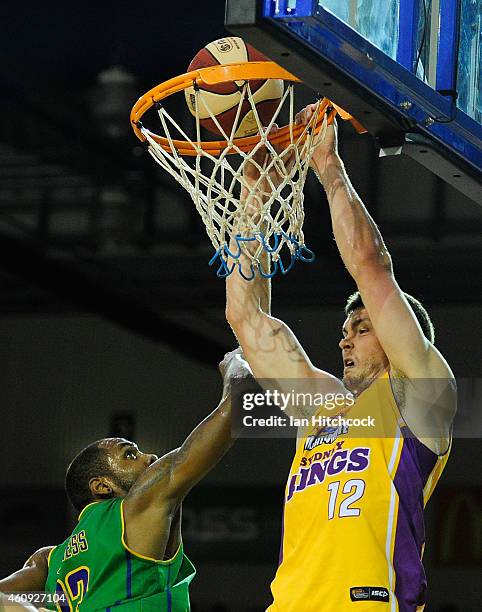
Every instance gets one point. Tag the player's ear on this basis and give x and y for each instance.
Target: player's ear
(100, 487)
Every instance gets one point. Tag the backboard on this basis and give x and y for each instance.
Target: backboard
(409, 70)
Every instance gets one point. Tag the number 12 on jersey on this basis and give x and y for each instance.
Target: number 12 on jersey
(354, 489)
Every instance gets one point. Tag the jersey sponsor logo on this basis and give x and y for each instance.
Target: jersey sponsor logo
(359, 593)
(369, 593)
(342, 460)
(326, 436)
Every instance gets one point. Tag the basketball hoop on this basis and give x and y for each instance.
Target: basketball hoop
(216, 183)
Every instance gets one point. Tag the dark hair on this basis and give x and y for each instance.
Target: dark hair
(92, 461)
(355, 302)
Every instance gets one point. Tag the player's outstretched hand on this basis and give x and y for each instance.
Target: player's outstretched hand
(328, 147)
(234, 366)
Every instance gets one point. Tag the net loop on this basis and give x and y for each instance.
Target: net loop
(223, 271)
(265, 244)
(305, 254)
(285, 270)
(247, 278)
(238, 239)
(268, 274)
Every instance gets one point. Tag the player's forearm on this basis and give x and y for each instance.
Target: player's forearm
(25, 579)
(169, 480)
(263, 285)
(202, 450)
(245, 299)
(357, 236)
(205, 446)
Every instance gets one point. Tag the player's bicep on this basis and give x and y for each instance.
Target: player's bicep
(279, 363)
(168, 480)
(152, 486)
(397, 328)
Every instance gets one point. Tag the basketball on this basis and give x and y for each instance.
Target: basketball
(223, 98)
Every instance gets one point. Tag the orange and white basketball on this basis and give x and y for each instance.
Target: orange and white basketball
(223, 99)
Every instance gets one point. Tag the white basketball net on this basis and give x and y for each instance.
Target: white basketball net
(225, 199)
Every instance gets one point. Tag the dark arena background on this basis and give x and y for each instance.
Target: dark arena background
(112, 323)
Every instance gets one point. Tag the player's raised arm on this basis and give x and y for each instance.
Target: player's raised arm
(410, 352)
(156, 496)
(367, 260)
(210, 440)
(270, 347)
(32, 576)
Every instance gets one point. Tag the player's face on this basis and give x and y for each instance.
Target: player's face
(128, 462)
(363, 356)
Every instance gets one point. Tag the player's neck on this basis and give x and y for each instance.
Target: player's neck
(361, 384)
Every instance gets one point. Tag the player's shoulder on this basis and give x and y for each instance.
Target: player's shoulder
(40, 557)
(428, 405)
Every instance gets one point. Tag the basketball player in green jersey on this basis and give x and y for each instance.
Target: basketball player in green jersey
(126, 551)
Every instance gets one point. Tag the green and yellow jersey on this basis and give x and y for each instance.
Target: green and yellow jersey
(94, 569)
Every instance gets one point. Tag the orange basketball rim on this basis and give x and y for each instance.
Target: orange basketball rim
(222, 74)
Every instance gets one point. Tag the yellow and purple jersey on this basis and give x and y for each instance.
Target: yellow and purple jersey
(353, 529)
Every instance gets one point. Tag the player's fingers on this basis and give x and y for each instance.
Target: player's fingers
(230, 354)
(277, 147)
(260, 155)
(304, 116)
(331, 136)
(300, 117)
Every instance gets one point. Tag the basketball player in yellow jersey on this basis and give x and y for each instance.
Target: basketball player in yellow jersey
(353, 531)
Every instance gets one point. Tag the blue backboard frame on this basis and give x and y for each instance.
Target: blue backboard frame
(404, 113)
